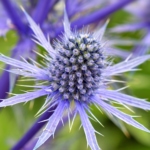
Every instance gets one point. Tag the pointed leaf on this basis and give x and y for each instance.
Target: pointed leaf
(125, 66)
(39, 35)
(22, 98)
(67, 24)
(52, 124)
(125, 99)
(24, 68)
(122, 116)
(99, 34)
(88, 128)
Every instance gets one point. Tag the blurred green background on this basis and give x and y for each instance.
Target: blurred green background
(16, 120)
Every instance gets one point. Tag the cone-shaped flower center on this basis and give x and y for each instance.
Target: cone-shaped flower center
(76, 71)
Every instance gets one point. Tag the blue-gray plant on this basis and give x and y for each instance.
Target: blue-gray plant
(75, 71)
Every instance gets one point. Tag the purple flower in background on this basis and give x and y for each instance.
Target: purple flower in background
(12, 14)
(75, 72)
(73, 7)
(5, 22)
(141, 21)
(141, 18)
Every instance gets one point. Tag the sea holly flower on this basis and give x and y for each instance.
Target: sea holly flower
(12, 16)
(76, 71)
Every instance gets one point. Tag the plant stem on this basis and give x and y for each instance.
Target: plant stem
(13, 14)
(33, 130)
(96, 15)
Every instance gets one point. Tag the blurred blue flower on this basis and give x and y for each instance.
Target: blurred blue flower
(12, 13)
(5, 22)
(76, 71)
(141, 21)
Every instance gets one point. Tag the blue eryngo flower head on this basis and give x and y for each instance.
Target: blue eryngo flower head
(76, 71)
